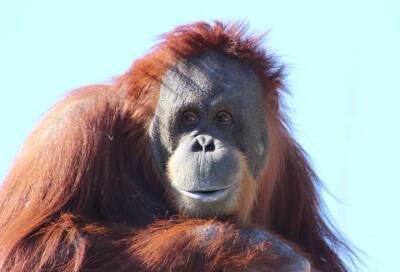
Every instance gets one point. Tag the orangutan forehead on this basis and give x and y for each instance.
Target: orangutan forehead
(211, 74)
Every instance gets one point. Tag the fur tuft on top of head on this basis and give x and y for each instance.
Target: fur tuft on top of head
(192, 40)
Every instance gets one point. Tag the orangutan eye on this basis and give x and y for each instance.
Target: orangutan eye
(189, 118)
(223, 118)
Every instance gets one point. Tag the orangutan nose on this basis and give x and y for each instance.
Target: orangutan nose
(203, 143)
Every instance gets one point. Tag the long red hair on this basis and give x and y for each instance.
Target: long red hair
(288, 201)
(90, 162)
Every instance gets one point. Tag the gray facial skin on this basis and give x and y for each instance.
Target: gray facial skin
(210, 114)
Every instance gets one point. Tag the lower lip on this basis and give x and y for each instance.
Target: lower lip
(206, 196)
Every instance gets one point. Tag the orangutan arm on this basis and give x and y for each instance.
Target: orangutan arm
(200, 245)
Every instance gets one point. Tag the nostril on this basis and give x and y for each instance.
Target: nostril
(209, 147)
(197, 147)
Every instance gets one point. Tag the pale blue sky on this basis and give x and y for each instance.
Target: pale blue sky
(342, 57)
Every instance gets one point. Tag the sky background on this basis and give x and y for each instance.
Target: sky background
(343, 72)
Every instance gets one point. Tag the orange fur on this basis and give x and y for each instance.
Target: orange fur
(83, 195)
(247, 194)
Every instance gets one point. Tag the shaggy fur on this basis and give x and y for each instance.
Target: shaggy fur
(83, 194)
